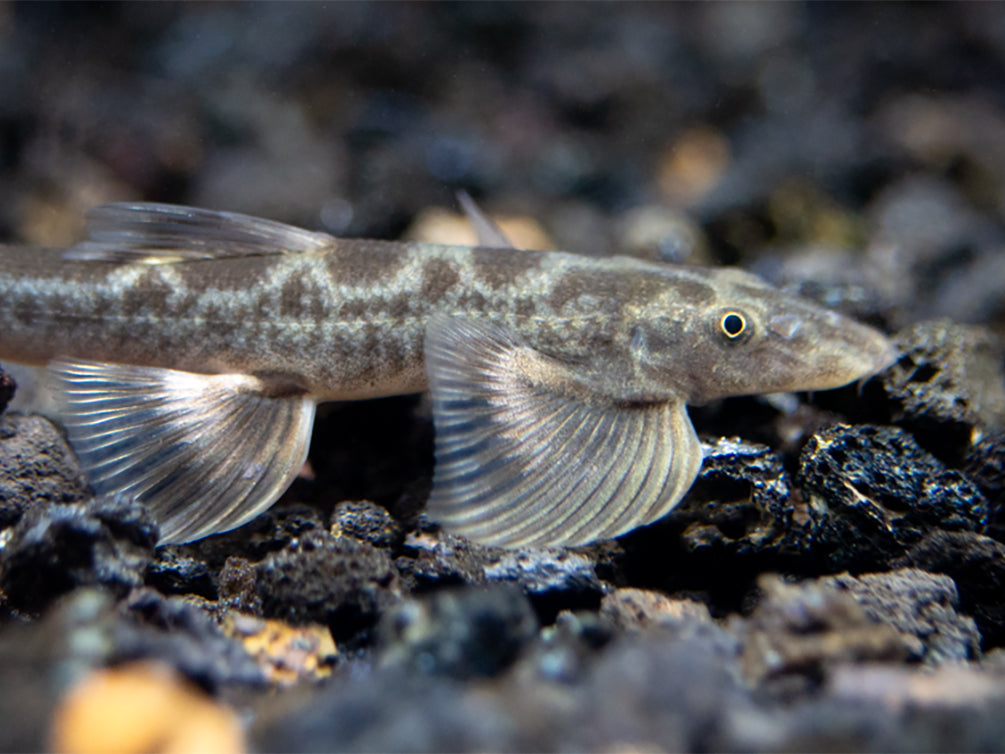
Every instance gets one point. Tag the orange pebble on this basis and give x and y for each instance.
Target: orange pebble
(143, 707)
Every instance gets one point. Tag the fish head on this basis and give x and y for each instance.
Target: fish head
(747, 337)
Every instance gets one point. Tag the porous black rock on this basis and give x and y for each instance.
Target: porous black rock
(367, 522)
(236, 587)
(555, 579)
(37, 467)
(462, 633)
(740, 503)
(172, 571)
(268, 533)
(320, 578)
(946, 386)
(739, 517)
(985, 464)
(54, 549)
(179, 632)
(873, 492)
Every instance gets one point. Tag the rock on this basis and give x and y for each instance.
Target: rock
(630, 609)
(985, 464)
(337, 581)
(367, 522)
(391, 711)
(436, 559)
(36, 467)
(738, 517)
(286, 654)
(7, 389)
(182, 634)
(739, 505)
(236, 587)
(565, 651)
(873, 492)
(917, 603)
(88, 630)
(173, 572)
(838, 278)
(973, 294)
(56, 548)
(947, 385)
(803, 630)
(153, 710)
(921, 221)
(28, 652)
(461, 633)
(438, 225)
(654, 693)
(692, 165)
(927, 242)
(554, 579)
(893, 689)
(884, 708)
(268, 533)
(662, 234)
(977, 565)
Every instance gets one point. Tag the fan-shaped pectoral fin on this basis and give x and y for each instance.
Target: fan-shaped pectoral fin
(524, 458)
(205, 452)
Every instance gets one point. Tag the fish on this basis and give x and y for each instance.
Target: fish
(188, 349)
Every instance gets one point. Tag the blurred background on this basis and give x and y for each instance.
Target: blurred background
(855, 151)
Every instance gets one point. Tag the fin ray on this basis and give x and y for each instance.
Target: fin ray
(521, 463)
(205, 452)
(488, 232)
(150, 233)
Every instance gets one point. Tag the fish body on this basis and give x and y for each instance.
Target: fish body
(190, 348)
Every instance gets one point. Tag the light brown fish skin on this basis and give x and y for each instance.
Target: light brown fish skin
(348, 322)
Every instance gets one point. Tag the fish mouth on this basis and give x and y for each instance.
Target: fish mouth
(856, 361)
(878, 355)
(883, 354)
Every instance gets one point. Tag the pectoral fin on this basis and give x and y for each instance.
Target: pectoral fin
(525, 459)
(206, 453)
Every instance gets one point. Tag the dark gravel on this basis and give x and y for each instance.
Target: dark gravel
(835, 580)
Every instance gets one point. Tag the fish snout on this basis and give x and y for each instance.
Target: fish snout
(854, 352)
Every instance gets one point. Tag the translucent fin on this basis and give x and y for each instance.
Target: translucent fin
(524, 461)
(206, 453)
(489, 234)
(166, 233)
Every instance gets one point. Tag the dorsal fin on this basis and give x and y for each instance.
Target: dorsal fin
(489, 234)
(151, 233)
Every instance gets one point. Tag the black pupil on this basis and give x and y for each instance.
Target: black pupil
(732, 324)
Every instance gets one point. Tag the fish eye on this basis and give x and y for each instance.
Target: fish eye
(733, 324)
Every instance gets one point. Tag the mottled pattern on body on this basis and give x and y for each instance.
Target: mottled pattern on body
(190, 349)
(349, 322)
